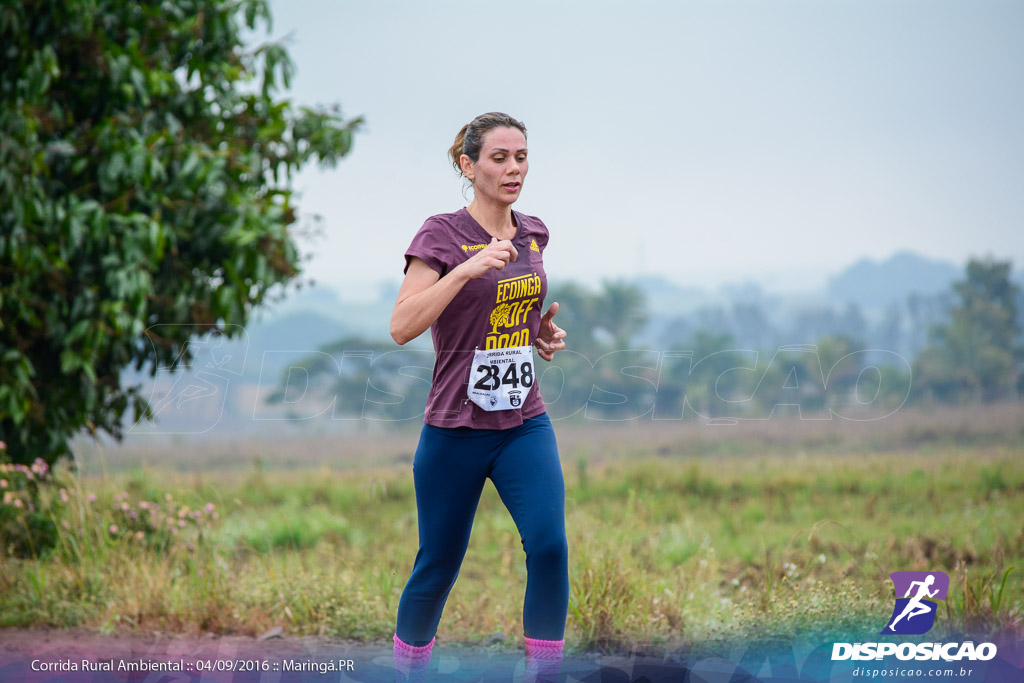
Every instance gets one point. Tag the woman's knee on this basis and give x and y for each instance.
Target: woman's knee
(434, 578)
(548, 549)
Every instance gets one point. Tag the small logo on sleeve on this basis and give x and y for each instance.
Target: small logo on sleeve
(914, 612)
(533, 246)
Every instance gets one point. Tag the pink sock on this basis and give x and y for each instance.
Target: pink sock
(543, 657)
(411, 662)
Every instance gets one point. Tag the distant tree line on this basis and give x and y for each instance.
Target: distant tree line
(720, 365)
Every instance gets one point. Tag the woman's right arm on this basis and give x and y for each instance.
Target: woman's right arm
(424, 295)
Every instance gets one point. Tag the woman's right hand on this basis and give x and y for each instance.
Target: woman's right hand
(424, 294)
(495, 255)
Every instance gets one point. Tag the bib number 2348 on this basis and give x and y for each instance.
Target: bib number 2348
(500, 379)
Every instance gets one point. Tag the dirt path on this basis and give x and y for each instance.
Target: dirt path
(76, 655)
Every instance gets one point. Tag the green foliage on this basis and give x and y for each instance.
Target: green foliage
(602, 592)
(980, 598)
(667, 549)
(291, 528)
(703, 371)
(144, 181)
(697, 376)
(36, 498)
(158, 523)
(973, 356)
(29, 498)
(601, 321)
(362, 378)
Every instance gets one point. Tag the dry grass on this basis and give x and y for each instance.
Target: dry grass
(679, 534)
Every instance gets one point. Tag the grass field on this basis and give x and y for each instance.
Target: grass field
(678, 535)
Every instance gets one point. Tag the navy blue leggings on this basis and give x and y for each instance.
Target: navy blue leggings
(449, 470)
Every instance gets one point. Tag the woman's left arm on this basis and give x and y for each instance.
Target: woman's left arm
(550, 337)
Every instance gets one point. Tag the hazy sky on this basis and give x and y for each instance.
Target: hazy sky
(714, 141)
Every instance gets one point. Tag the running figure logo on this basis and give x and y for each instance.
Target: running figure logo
(914, 613)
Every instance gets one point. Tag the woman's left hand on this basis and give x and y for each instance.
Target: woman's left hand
(550, 337)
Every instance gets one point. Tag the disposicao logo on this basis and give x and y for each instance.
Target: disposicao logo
(914, 613)
(917, 596)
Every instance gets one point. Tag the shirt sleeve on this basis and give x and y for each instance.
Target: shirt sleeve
(432, 245)
(542, 237)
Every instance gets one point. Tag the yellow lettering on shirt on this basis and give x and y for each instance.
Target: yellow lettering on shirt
(518, 287)
(516, 297)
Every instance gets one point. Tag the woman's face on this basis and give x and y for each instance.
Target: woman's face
(499, 173)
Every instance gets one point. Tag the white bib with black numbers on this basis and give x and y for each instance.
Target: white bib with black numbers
(500, 379)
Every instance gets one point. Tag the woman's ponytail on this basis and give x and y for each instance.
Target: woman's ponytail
(456, 150)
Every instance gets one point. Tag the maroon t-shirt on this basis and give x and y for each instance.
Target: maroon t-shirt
(500, 309)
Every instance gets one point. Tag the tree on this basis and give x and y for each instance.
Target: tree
(145, 172)
(357, 378)
(577, 315)
(815, 323)
(973, 355)
(751, 326)
(622, 311)
(602, 321)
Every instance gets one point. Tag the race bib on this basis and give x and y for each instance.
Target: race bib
(500, 379)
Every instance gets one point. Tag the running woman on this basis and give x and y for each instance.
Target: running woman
(476, 278)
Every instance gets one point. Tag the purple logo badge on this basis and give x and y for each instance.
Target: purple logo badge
(916, 596)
